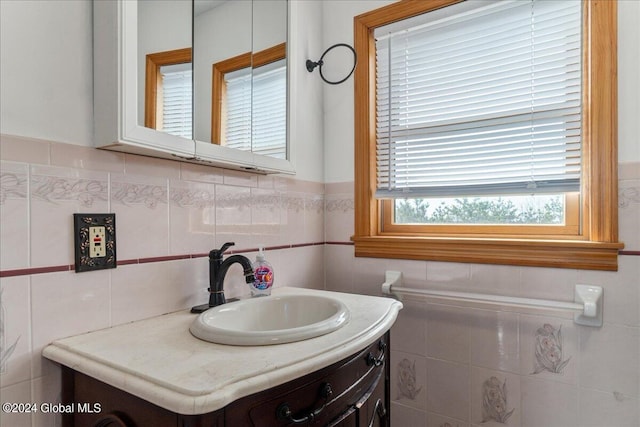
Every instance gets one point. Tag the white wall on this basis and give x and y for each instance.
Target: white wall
(628, 81)
(46, 76)
(46, 70)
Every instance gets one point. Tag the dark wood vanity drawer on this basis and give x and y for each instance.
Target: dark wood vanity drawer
(348, 381)
(358, 384)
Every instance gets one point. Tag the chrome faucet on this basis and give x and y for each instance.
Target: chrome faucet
(217, 272)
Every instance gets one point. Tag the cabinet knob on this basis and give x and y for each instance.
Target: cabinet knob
(377, 361)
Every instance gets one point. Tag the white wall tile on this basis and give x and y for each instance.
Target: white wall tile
(629, 213)
(549, 348)
(436, 420)
(548, 403)
(55, 195)
(48, 390)
(448, 386)
(495, 398)
(408, 380)
(66, 304)
(233, 216)
(15, 330)
(140, 291)
(448, 333)
(406, 416)
(339, 263)
(494, 340)
(408, 333)
(192, 217)
(16, 393)
(141, 206)
(610, 359)
(598, 409)
(265, 217)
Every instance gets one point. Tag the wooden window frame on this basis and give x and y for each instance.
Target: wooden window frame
(596, 245)
(153, 82)
(219, 88)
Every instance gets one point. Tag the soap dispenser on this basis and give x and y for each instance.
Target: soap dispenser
(263, 273)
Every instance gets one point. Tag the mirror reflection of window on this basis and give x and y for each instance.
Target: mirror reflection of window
(177, 100)
(249, 102)
(269, 110)
(164, 39)
(168, 92)
(236, 110)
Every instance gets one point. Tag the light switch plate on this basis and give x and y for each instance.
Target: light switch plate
(95, 241)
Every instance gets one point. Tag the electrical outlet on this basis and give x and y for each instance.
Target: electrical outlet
(95, 241)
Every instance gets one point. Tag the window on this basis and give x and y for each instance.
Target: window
(478, 133)
(168, 92)
(251, 90)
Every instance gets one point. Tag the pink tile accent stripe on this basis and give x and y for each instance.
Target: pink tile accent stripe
(57, 268)
(71, 267)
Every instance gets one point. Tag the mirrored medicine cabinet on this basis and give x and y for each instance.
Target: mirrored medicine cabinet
(202, 81)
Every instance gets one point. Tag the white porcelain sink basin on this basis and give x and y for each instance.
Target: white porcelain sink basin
(270, 320)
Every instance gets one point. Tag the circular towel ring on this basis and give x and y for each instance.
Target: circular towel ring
(311, 65)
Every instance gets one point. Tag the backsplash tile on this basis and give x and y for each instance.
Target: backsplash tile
(192, 217)
(495, 398)
(58, 301)
(169, 216)
(55, 194)
(176, 209)
(448, 389)
(408, 380)
(548, 348)
(448, 333)
(15, 331)
(495, 340)
(610, 357)
(598, 409)
(548, 403)
(14, 215)
(141, 206)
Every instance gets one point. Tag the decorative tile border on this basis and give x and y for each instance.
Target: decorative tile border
(71, 267)
(628, 196)
(13, 185)
(138, 194)
(55, 189)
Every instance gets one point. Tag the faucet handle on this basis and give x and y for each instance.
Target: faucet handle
(217, 253)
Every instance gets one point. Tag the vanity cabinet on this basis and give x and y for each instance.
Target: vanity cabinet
(352, 392)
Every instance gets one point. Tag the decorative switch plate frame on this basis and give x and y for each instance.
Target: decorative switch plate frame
(81, 238)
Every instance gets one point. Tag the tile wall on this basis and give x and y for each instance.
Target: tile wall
(451, 365)
(169, 215)
(457, 366)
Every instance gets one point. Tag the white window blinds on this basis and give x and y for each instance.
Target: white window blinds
(270, 110)
(480, 98)
(256, 109)
(177, 99)
(237, 107)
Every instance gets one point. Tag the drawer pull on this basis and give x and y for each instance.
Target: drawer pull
(377, 361)
(284, 413)
(381, 412)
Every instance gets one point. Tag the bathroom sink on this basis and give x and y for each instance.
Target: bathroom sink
(270, 320)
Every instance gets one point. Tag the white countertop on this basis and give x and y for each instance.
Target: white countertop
(160, 361)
